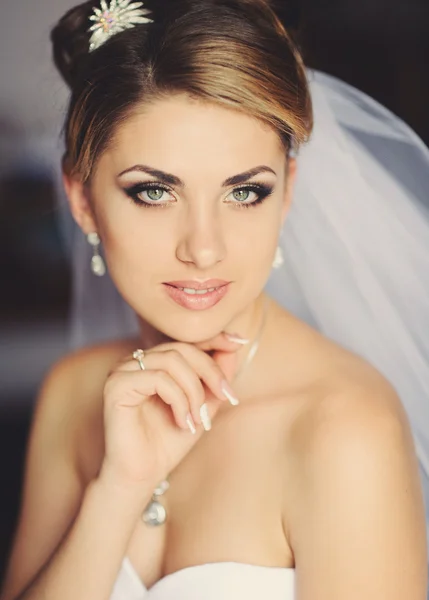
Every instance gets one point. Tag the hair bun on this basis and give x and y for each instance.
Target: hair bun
(70, 41)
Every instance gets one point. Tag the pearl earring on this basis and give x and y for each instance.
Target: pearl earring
(97, 263)
(278, 259)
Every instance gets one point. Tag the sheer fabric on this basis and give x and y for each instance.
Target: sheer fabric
(356, 247)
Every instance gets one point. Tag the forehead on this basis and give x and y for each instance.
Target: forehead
(178, 133)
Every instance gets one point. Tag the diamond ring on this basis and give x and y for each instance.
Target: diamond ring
(139, 355)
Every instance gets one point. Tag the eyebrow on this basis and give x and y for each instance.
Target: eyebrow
(173, 180)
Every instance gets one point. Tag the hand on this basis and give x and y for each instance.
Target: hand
(146, 413)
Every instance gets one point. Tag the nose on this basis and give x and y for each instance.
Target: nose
(201, 242)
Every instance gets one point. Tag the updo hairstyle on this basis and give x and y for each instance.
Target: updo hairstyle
(236, 53)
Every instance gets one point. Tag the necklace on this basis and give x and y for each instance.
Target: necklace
(155, 513)
(255, 345)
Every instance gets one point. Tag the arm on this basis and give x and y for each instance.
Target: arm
(358, 529)
(69, 542)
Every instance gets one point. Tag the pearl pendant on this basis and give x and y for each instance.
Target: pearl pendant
(278, 259)
(154, 514)
(97, 266)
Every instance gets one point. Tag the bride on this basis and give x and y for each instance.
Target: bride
(261, 431)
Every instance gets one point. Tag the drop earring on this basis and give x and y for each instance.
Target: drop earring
(278, 259)
(97, 263)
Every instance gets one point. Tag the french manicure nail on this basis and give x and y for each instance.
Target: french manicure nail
(233, 337)
(191, 424)
(229, 394)
(205, 418)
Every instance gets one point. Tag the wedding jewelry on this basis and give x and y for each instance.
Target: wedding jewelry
(255, 345)
(155, 513)
(138, 355)
(97, 263)
(110, 20)
(278, 259)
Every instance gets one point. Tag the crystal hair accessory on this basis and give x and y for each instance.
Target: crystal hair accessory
(110, 20)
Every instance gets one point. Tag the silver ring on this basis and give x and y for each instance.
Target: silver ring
(138, 355)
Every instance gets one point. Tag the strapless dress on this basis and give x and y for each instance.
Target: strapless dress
(211, 581)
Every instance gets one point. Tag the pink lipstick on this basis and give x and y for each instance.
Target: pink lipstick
(196, 295)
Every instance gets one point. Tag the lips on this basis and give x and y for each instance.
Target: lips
(195, 295)
(196, 285)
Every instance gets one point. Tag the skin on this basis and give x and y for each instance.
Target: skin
(200, 235)
(274, 474)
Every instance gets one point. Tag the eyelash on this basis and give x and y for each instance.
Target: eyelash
(262, 191)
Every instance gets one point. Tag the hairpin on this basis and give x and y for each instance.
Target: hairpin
(119, 16)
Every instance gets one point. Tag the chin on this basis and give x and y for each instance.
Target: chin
(191, 328)
(193, 334)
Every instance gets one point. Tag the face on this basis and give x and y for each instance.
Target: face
(188, 192)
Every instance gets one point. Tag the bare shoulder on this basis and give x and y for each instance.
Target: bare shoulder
(355, 499)
(348, 399)
(339, 388)
(83, 369)
(63, 454)
(77, 379)
(353, 397)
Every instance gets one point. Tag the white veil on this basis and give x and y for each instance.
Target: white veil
(356, 248)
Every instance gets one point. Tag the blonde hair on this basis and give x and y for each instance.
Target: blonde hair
(235, 53)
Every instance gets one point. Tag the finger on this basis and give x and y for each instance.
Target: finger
(176, 365)
(209, 371)
(223, 341)
(227, 362)
(133, 387)
(196, 373)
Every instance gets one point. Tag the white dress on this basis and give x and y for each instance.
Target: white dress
(211, 581)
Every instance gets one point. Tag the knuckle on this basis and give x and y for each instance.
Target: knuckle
(181, 346)
(162, 376)
(174, 357)
(211, 365)
(185, 349)
(181, 398)
(199, 395)
(112, 388)
(111, 381)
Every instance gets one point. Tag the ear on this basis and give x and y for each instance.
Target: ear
(291, 171)
(80, 203)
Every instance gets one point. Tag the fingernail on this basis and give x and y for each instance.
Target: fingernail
(234, 337)
(191, 424)
(229, 393)
(205, 418)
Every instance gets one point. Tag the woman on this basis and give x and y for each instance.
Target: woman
(292, 470)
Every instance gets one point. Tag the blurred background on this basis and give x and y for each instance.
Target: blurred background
(379, 46)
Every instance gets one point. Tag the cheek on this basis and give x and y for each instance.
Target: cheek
(140, 244)
(136, 247)
(255, 248)
(259, 230)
